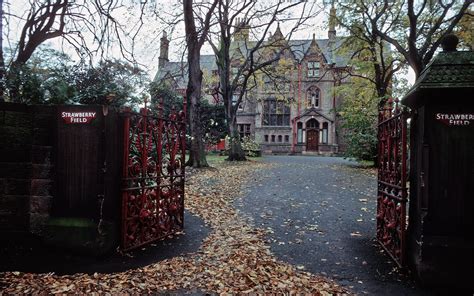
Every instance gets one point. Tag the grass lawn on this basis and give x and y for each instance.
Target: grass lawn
(367, 163)
(214, 159)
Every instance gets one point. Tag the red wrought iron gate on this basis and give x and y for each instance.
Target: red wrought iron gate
(153, 175)
(392, 195)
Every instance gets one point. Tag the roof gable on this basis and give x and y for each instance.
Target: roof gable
(314, 113)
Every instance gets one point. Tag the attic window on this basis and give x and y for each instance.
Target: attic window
(313, 69)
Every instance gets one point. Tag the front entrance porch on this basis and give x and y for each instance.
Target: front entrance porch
(312, 135)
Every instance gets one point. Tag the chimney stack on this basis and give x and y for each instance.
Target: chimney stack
(331, 34)
(164, 45)
(242, 30)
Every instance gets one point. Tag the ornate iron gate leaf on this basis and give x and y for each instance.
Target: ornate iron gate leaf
(392, 178)
(153, 176)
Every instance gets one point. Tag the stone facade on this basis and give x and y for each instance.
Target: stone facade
(26, 176)
(300, 116)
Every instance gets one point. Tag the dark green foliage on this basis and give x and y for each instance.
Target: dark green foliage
(212, 116)
(51, 77)
(163, 94)
(28, 84)
(359, 119)
(114, 79)
(45, 78)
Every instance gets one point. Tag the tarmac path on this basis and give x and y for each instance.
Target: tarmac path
(319, 213)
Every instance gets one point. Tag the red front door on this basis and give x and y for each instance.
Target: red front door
(312, 140)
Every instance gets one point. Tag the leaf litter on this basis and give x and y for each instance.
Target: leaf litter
(232, 259)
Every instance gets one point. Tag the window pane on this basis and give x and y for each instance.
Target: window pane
(325, 132)
(273, 120)
(272, 106)
(275, 113)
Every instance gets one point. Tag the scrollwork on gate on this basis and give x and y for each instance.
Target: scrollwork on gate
(392, 178)
(153, 175)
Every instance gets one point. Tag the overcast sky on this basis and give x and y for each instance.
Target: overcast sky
(146, 46)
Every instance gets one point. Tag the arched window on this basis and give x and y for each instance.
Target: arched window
(312, 123)
(313, 97)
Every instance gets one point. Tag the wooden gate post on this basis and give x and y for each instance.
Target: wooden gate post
(441, 220)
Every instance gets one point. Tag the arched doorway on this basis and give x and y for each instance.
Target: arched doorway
(312, 135)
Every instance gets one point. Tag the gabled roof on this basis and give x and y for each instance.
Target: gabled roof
(312, 112)
(179, 70)
(299, 49)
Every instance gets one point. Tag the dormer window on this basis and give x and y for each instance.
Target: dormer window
(313, 69)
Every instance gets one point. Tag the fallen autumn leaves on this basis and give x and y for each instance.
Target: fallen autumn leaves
(233, 259)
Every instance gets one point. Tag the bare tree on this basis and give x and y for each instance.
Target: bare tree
(194, 41)
(371, 57)
(88, 26)
(429, 21)
(236, 21)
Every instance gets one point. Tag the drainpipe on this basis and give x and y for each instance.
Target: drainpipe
(295, 132)
(334, 137)
(299, 89)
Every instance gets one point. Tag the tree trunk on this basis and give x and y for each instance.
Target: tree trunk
(197, 155)
(236, 153)
(12, 82)
(2, 61)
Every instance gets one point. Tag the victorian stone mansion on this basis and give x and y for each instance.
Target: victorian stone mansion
(306, 122)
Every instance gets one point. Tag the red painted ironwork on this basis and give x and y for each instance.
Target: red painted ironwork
(392, 178)
(153, 175)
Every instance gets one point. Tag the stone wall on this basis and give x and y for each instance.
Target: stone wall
(26, 178)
